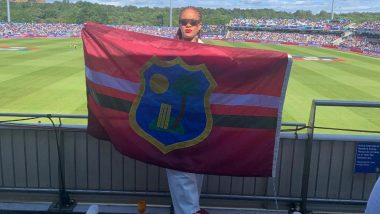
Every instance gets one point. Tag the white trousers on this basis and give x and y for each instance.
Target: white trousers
(185, 189)
(373, 204)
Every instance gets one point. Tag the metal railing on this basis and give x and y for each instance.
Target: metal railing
(310, 133)
(94, 167)
(65, 203)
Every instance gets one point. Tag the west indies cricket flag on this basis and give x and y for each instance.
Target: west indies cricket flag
(186, 106)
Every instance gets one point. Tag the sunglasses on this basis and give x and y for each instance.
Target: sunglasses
(192, 22)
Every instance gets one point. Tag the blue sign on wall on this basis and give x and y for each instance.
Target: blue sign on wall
(367, 158)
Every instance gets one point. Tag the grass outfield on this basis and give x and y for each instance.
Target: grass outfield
(50, 79)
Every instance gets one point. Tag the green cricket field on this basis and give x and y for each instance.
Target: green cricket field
(39, 75)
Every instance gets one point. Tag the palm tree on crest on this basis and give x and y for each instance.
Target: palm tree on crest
(185, 86)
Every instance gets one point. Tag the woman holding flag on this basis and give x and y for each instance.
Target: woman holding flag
(185, 187)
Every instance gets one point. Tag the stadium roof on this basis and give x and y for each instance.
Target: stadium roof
(341, 6)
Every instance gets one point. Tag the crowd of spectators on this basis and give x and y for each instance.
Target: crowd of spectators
(361, 43)
(73, 30)
(39, 29)
(214, 30)
(369, 26)
(274, 37)
(168, 32)
(277, 30)
(290, 23)
(208, 31)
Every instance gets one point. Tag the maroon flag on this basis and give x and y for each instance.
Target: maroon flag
(186, 106)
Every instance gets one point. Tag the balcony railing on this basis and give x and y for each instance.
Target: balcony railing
(314, 170)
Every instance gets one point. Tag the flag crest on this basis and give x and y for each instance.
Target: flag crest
(173, 93)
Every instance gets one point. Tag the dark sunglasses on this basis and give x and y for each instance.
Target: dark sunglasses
(192, 22)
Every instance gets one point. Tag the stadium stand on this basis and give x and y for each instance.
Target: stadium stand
(340, 34)
(369, 26)
(214, 31)
(39, 30)
(276, 37)
(208, 31)
(362, 43)
(167, 32)
(67, 30)
(305, 24)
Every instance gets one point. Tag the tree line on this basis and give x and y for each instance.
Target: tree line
(79, 12)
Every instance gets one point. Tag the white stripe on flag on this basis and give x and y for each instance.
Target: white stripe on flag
(215, 98)
(112, 82)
